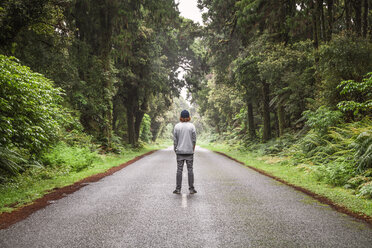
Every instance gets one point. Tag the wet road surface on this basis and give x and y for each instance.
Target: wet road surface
(234, 207)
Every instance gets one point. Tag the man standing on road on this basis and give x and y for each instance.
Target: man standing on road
(184, 141)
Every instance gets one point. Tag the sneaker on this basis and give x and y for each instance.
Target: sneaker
(177, 191)
(193, 191)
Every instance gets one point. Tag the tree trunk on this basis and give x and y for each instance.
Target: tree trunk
(369, 31)
(318, 18)
(347, 15)
(314, 24)
(139, 116)
(358, 16)
(266, 112)
(281, 118)
(330, 19)
(155, 129)
(365, 18)
(107, 16)
(130, 124)
(322, 20)
(115, 114)
(130, 105)
(251, 128)
(107, 100)
(276, 125)
(137, 124)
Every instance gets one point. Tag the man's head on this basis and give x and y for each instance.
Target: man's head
(185, 116)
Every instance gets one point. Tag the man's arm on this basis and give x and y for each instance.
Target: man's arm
(175, 139)
(194, 138)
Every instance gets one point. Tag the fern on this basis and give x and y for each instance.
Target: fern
(363, 151)
(10, 161)
(342, 152)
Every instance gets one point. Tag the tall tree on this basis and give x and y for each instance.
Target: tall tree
(95, 22)
(147, 59)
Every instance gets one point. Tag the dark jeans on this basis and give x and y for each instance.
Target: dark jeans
(189, 164)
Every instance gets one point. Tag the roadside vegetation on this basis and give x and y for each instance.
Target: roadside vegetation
(284, 158)
(65, 168)
(84, 86)
(290, 83)
(43, 144)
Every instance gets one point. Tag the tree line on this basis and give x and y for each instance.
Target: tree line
(83, 71)
(114, 59)
(268, 62)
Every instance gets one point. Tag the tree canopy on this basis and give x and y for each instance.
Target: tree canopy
(256, 70)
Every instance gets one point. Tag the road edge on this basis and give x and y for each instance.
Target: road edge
(320, 198)
(8, 219)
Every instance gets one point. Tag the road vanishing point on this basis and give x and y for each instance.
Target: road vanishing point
(234, 207)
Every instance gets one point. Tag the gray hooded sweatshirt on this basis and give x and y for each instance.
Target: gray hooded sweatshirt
(184, 138)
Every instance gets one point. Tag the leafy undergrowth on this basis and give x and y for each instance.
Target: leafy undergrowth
(342, 156)
(66, 165)
(302, 175)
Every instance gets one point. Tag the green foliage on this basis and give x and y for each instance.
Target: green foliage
(363, 150)
(347, 143)
(30, 107)
(31, 115)
(335, 173)
(145, 133)
(339, 155)
(73, 158)
(359, 95)
(16, 15)
(355, 182)
(10, 162)
(365, 190)
(344, 58)
(24, 188)
(323, 118)
(276, 146)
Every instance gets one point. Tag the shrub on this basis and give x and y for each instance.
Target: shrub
(363, 150)
(145, 133)
(335, 174)
(350, 144)
(355, 182)
(31, 114)
(73, 157)
(343, 58)
(323, 118)
(276, 146)
(365, 190)
(29, 105)
(368, 173)
(358, 94)
(10, 162)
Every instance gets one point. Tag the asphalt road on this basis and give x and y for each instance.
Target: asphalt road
(234, 207)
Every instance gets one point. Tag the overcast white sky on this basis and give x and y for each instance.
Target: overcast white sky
(190, 10)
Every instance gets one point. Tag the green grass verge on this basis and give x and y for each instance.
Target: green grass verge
(35, 183)
(297, 176)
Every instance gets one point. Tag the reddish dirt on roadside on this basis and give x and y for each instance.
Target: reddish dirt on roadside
(7, 219)
(318, 197)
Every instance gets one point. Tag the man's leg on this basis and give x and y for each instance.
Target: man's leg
(190, 173)
(179, 173)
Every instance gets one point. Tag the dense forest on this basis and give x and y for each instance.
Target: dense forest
(283, 77)
(291, 78)
(278, 59)
(83, 72)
